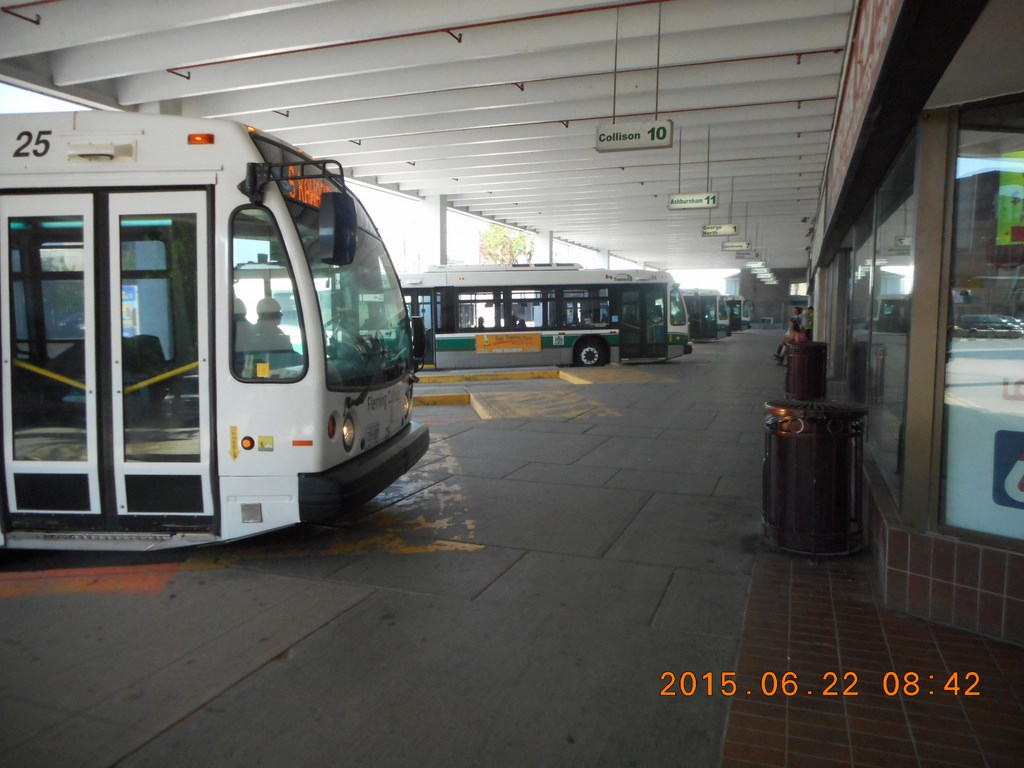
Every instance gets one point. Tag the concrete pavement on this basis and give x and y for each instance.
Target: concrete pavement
(515, 600)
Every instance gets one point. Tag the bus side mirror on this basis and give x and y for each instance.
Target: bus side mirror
(338, 228)
(419, 340)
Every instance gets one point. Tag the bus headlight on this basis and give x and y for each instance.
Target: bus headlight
(348, 432)
(407, 405)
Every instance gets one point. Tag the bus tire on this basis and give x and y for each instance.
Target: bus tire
(590, 352)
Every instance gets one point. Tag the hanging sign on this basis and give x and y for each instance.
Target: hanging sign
(736, 245)
(618, 137)
(693, 200)
(717, 230)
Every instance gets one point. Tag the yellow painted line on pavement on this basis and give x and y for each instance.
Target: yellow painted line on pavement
(442, 398)
(571, 378)
(613, 374)
(485, 413)
(536, 405)
(449, 378)
(525, 405)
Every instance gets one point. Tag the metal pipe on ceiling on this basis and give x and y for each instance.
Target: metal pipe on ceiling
(447, 30)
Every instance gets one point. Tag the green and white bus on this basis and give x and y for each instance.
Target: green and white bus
(739, 313)
(708, 313)
(559, 314)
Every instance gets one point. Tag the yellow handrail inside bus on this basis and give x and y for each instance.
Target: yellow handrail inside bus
(49, 374)
(162, 377)
(130, 388)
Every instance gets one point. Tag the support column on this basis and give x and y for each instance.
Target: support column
(544, 248)
(921, 505)
(434, 249)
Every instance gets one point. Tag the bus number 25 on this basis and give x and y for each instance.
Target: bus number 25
(33, 144)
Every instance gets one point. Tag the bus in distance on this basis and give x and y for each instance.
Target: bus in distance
(494, 316)
(203, 336)
(708, 313)
(739, 312)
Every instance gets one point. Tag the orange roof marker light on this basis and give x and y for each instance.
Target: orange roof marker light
(200, 138)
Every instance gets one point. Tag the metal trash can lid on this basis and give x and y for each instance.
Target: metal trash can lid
(816, 346)
(810, 409)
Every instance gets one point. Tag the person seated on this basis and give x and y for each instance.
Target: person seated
(243, 328)
(795, 335)
(376, 320)
(267, 335)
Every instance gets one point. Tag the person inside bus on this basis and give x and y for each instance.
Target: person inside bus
(480, 323)
(243, 332)
(796, 335)
(243, 328)
(267, 335)
(377, 319)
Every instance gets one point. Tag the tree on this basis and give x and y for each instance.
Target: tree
(501, 245)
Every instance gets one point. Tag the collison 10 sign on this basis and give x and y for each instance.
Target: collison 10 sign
(620, 137)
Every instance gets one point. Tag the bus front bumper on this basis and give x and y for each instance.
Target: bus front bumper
(338, 493)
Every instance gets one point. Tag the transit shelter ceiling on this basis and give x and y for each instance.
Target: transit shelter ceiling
(498, 107)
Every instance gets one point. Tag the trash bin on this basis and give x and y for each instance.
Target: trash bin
(812, 476)
(806, 371)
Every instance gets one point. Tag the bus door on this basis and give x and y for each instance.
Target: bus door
(103, 311)
(428, 306)
(643, 330)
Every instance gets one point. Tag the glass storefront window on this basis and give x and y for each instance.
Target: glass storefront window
(983, 447)
(861, 272)
(892, 284)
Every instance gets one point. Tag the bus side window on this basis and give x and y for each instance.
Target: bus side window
(267, 338)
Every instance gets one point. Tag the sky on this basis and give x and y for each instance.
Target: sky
(396, 215)
(17, 101)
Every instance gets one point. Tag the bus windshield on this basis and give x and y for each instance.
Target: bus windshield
(367, 337)
(367, 334)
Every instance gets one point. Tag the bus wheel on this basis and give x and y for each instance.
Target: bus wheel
(590, 352)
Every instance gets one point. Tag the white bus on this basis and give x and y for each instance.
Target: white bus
(560, 314)
(203, 336)
(739, 312)
(708, 313)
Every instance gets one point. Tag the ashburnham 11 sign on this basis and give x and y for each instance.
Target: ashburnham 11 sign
(693, 200)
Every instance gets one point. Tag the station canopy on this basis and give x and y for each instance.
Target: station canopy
(498, 107)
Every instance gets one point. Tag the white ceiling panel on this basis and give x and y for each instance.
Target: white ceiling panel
(493, 105)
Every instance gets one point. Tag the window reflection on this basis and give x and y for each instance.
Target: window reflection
(268, 343)
(892, 284)
(984, 395)
(159, 337)
(47, 262)
(367, 338)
